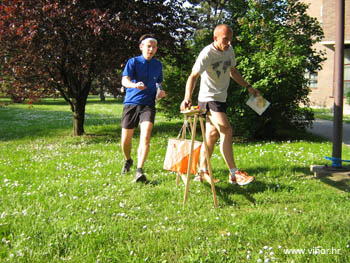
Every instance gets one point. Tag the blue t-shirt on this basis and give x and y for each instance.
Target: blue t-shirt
(149, 72)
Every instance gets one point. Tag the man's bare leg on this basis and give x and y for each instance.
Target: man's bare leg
(211, 135)
(222, 125)
(220, 121)
(126, 143)
(144, 145)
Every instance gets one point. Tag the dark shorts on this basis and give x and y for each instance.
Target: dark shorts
(135, 114)
(213, 106)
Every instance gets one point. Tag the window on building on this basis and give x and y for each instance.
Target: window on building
(347, 72)
(312, 79)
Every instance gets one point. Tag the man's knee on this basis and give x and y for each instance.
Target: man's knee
(145, 140)
(225, 130)
(214, 134)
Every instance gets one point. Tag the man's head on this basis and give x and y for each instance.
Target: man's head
(148, 46)
(223, 35)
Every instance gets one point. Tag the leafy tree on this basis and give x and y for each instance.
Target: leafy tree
(209, 12)
(274, 46)
(273, 41)
(55, 46)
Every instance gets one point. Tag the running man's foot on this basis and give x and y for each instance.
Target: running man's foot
(127, 165)
(201, 175)
(240, 178)
(139, 176)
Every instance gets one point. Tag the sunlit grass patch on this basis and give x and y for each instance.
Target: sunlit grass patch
(63, 198)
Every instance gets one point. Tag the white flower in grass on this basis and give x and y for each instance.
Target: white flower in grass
(131, 253)
(259, 260)
(83, 233)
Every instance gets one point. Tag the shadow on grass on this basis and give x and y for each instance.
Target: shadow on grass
(339, 180)
(161, 129)
(342, 183)
(225, 190)
(35, 123)
(62, 102)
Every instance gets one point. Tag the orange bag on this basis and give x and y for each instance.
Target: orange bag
(178, 155)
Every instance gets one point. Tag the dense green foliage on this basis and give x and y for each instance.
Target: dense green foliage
(44, 52)
(273, 43)
(62, 47)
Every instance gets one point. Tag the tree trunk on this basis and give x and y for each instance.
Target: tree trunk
(102, 94)
(79, 116)
(16, 99)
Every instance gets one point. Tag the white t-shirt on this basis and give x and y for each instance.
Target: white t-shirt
(214, 67)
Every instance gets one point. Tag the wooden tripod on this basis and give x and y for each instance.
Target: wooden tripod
(188, 115)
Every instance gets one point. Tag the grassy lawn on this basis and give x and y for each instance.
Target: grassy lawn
(326, 114)
(63, 199)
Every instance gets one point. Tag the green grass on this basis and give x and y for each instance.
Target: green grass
(63, 199)
(326, 114)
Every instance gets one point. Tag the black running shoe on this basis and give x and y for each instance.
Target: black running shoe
(127, 165)
(139, 176)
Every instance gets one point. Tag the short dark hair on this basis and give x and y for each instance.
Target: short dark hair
(145, 36)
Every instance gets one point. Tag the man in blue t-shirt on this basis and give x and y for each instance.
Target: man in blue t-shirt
(142, 78)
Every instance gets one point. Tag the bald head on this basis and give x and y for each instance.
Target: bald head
(223, 28)
(222, 37)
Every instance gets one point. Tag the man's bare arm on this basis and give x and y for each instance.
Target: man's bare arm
(127, 83)
(190, 84)
(236, 76)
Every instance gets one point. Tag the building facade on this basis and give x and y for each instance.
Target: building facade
(322, 82)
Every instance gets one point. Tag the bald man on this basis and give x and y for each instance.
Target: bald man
(216, 65)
